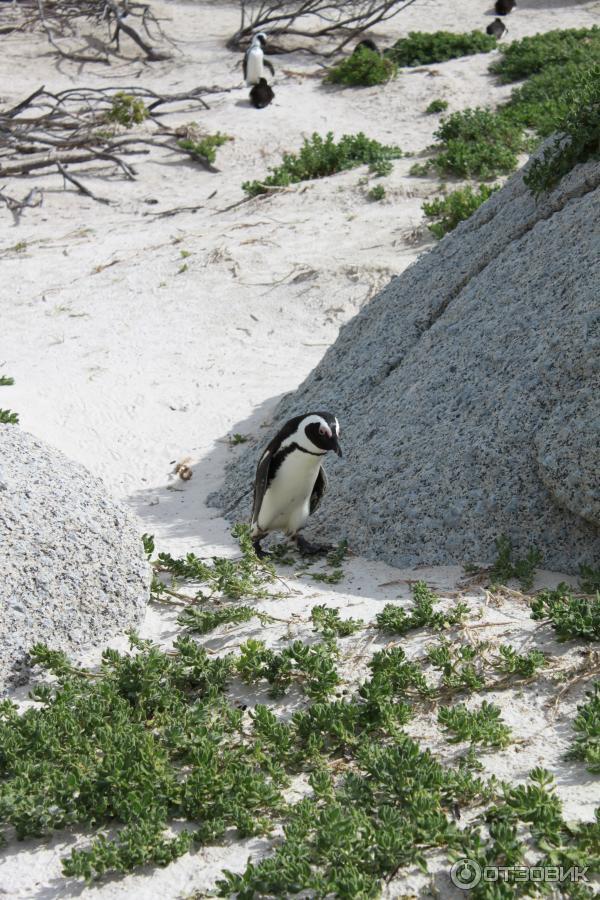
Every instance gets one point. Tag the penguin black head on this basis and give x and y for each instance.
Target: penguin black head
(323, 430)
(260, 38)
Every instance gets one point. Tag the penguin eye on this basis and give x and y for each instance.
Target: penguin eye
(322, 430)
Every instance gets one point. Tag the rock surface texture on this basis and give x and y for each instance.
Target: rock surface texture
(72, 565)
(468, 393)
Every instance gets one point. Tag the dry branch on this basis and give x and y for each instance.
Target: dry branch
(80, 187)
(340, 22)
(61, 21)
(48, 132)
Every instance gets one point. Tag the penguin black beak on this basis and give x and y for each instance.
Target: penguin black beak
(336, 447)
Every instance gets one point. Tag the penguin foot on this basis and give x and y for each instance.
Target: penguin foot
(306, 548)
(262, 554)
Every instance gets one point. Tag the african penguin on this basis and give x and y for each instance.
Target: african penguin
(503, 7)
(496, 28)
(254, 60)
(290, 481)
(261, 94)
(366, 44)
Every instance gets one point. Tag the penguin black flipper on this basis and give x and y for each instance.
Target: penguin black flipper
(269, 66)
(245, 63)
(318, 490)
(261, 481)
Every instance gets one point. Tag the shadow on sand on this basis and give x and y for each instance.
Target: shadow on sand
(180, 510)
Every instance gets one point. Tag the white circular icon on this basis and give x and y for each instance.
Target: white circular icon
(465, 874)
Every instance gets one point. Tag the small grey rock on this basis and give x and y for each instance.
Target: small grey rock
(72, 565)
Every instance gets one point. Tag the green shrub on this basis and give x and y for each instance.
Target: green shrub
(312, 666)
(381, 168)
(127, 110)
(319, 157)
(206, 147)
(506, 569)
(541, 101)
(244, 577)
(477, 143)
(203, 621)
(151, 757)
(395, 619)
(589, 579)
(578, 136)
(344, 840)
(364, 68)
(437, 106)
(462, 665)
(147, 739)
(327, 621)
(512, 663)
(587, 726)
(482, 726)
(422, 47)
(7, 416)
(455, 207)
(376, 193)
(530, 55)
(561, 94)
(419, 170)
(570, 616)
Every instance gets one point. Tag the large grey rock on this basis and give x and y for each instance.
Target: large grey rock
(568, 452)
(72, 566)
(468, 392)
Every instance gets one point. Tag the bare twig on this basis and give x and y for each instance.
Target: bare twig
(166, 213)
(17, 207)
(80, 187)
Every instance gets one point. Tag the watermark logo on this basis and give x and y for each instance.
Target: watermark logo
(465, 874)
(468, 873)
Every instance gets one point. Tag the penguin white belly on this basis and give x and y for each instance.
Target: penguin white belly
(286, 504)
(254, 66)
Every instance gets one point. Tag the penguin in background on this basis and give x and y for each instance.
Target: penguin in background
(290, 480)
(261, 94)
(367, 44)
(496, 28)
(254, 60)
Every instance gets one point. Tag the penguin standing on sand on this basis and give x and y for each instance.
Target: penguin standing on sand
(261, 94)
(496, 28)
(254, 60)
(290, 481)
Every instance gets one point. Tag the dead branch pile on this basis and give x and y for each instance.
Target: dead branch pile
(65, 22)
(312, 25)
(48, 132)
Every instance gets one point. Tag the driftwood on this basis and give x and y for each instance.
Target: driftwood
(61, 20)
(340, 22)
(49, 132)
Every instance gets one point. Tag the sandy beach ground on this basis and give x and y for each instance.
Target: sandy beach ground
(137, 340)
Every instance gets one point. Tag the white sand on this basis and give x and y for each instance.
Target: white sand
(127, 365)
